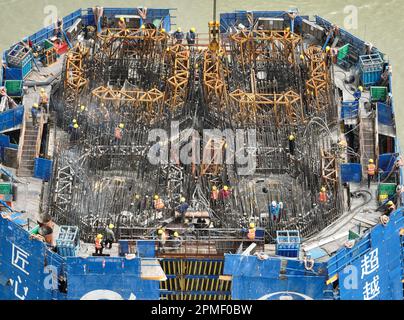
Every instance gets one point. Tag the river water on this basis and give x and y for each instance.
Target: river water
(376, 22)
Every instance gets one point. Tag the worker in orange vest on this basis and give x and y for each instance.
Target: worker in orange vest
(371, 172)
(119, 132)
(98, 245)
(158, 203)
(214, 195)
(251, 232)
(323, 197)
(43, 100)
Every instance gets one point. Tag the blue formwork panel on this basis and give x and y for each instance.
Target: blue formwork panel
(18, 73)
(11, 118)
(43, 169)
(385, 114)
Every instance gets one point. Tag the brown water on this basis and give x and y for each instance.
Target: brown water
(377, 22)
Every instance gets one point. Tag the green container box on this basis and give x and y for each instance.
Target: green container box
(13, 87)
(6, 188)
(378, 93)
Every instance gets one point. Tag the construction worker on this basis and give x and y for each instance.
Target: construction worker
(191, 37)
(274, 210)
(292, 144)
(358, 93)
(225, 193)
(118, 134)
(44, 100)
(251, 231)
(391, 207)
(371, 171)
(99, 247)
(110, 236)
(158, 203)
(122, 23)
(323, 197)
(183, 208)
(162, 239)
(176, 240)
(75, 134)
(35, 112)
(178, 36)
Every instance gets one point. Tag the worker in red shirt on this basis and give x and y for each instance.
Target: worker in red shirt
(225, 193)
(323, 197)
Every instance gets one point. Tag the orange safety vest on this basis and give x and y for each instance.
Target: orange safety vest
(323, 197)
(98, 243)
(371, 169)
(158, 204)
(251, 234)
(215, 195)
(118, 133)
(43, 98)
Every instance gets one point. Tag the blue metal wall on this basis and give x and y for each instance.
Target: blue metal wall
(100, 278)
(275, 277)
(372, 269)
(22, 265)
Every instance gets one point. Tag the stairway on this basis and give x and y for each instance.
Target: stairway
(29, 150)
(367, 142)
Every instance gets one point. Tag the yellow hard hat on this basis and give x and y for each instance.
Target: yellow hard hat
(137, 197)
(42, 90)
(99, 236)
(156, 197)
(390, 203)
(193, 30)
(371, 161)
(182, 199)
(323, 189)
(214, 188)
(111, 226)
(179, 29)
(291, 137)
(122, 19)
(82, 108)
(143, 26)
(121, 125)
(301, 56)
(252, 225)
(225, 188)
(328, 48)
(35, 105)
(74, 121)
(360, 88)
(287, 29)
(76, 126)
(163, 30)
(160, 232)
(176, 235)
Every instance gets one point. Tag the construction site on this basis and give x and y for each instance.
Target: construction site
(251, 140)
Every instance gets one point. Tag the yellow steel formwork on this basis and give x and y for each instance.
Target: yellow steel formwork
(194, 279)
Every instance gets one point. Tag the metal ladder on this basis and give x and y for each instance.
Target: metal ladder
(367, 139)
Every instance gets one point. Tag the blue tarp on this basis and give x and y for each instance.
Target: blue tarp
(351, 172)
(387, 161)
